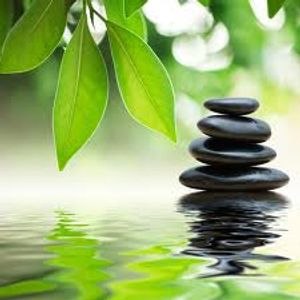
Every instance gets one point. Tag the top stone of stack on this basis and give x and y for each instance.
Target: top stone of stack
(232, 106)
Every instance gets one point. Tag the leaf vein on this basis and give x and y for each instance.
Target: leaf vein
(152, 101)
(42, 17)
(76, 88)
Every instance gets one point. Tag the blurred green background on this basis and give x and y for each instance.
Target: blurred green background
(232, 50)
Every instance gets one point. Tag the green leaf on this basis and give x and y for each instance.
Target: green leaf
(204, 2)
(131, 6)
(34, 37)
(27, 4)
(274, 6)
(116, 13)
(6, 18)
(81, 95)
(143, 81)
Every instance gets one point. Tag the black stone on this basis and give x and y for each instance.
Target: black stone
(232, 106)
(226, 179)
(242, 129)
(220, 152)
(244, 202)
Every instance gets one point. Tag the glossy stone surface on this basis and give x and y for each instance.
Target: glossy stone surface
(243, 201)
(238, 128)
(226, 179)
(220, 152)
(232, 106)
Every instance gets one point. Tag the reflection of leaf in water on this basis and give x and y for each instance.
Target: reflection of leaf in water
(285, 270)
(27, 287)
(76, 257)
(161, 275)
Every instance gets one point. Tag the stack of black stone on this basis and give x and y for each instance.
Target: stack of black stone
(232, 149)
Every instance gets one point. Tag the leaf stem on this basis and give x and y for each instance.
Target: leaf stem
(92, 10)
(98, 14)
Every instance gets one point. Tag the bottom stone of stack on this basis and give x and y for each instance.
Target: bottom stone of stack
(226, 179)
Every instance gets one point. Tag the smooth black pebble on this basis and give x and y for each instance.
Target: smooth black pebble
(232, 106)
(226, 179)
(223, 152)
(238, 128)
(242, 201)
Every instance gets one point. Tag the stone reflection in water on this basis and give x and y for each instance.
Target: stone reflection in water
(228, 227)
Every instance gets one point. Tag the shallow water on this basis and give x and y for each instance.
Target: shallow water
(199, 246)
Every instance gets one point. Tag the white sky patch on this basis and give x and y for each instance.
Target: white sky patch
(204, 55)
(172, 18)
(67, 35)
(260, 9)
(188, 111)
(219, 61)
(190, 51)
(98, 29)
(284, 65)
(219, 39)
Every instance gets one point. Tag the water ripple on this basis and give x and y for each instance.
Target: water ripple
(229, 227)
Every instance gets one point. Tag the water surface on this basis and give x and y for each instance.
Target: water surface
(196, 246)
